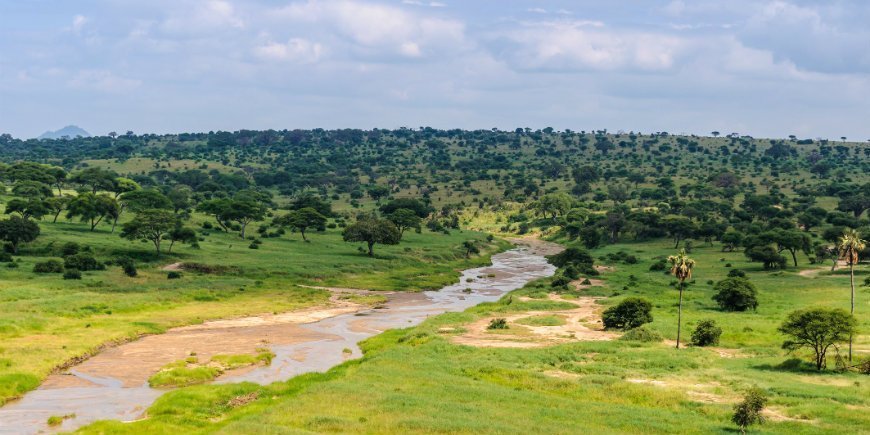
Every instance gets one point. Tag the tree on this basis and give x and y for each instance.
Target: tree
(28, 208)
(123, 185)
(628, 314)
(92, 208)
(372, 231)
(766, 255)
(789, 240)
(179, 196)
(377, 192)
(679, 228)
(182, 234)
(150, 225)
(242, 209)
(817, 329)
(735, 294)
(404, 219)
(748, 412)
(553, 205)
(17, 230)
(57, 205)
(301, 220)
(849, 245)
(421, 209)
(731, 240)
(145, 199)
(95, 179)
(470, 247)
(681, 268)
(31, 189)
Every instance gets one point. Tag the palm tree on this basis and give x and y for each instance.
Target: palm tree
(681, 267)
(849, 246)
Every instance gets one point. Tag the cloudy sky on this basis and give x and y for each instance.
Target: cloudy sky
(759, 67)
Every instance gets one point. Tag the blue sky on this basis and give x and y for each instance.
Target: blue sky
(759, 67)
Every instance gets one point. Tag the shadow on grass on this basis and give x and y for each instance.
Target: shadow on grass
(791, 365)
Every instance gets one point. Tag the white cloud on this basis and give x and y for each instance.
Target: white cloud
(194, 16)
(377, 28)
(102, 80)
(78, 23)
(296, 50)
(588, 45)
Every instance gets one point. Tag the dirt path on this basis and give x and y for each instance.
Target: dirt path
(580, 324)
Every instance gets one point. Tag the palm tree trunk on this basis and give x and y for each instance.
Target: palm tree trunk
(852, 311)
(680, 315)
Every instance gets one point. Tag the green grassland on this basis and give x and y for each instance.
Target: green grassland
(47, 321)
(414, 380)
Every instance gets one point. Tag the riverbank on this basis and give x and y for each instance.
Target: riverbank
(311, 340)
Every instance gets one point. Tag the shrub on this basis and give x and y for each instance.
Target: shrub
(641, 334)
(706, 333)
(72, 274)
(82, 261)
(659, 265)
(48, 266)
(572, 256)
(5, 257)
(736, 273)
(499, 323)
(69, 248)
(560, 281)
(748, 412)
(630, 259)
(128, 265)
(173, 275)
(630, 313)
(735, 294)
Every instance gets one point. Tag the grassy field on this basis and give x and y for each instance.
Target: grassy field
(48, 321)
(415, 380)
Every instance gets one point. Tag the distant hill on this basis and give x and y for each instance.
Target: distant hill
(70, 131)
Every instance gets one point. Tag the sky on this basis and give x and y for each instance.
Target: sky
(767, 68)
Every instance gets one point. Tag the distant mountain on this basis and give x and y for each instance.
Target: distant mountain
(70, 131)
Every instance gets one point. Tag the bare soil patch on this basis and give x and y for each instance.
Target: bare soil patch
(581, 324)
(131, 364)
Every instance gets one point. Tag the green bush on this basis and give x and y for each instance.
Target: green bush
(499, 323)
(48, 266)
(736, 273)
(72, 274)
(642, 334)
(5, 257)
(736, 294)
(173, 275)
(82, 261)
(628, 314)
(706, 333)
(748, 412)
(69, 248)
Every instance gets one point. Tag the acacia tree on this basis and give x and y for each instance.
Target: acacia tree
(301, 220)
(849, 245)
(817, 329)
(17, 230)
(92, 208)
(372, 231)
(150, 225)
(404, 219)
(681, 268)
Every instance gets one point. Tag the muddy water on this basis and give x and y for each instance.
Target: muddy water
(99, 389)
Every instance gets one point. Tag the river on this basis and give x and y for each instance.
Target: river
(88, 392)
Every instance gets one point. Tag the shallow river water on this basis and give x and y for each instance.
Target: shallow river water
(324, 345)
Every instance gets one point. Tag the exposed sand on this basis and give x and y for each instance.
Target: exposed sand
(133, 363)
(581, 324)
(173, 267)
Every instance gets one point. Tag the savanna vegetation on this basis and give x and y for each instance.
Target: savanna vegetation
(735, 267)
